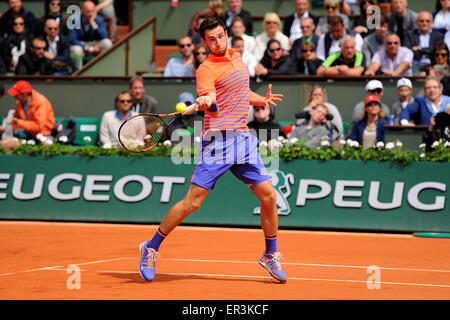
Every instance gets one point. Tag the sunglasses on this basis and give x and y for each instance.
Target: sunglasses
(38, 48)
(439, 54)
(18, 23)
(125, 101)
(378, 90)
(391, 43)
(271, 22)
(185, 45)
(273, 50)
(331, 8)
(200, 53)
(258, 108)
(372, 104)
(52, 28)
(307, 50)
(55, 3)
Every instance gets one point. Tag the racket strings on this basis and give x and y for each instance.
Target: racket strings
(141, 133)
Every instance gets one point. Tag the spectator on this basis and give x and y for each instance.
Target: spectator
(142, 102)
(360, 22)
(237, 29)
(196, 39)
(370, 130)
(91, 38)
(442, 16)
(332, 8)
(235, 10)
(422, 41)
(374, 42)
(57, 48)
(330, 42)
(307, 26)
(248, 58)
(111, 120)
(440, 64)
(345, 63)
(33, 113)
(401, 19)
(272, 25)
(16, 44)
(182, 65)
(106, 10)
(16, 8)
(215, 9)
(393, 61)
(405, 97)
(308, 63)
(274, 62)
(373, 87)
(200, 55)
(438, 130)
(292, 24)
(34, 62)
(424, 107)
(318, 96)
(52, 10)
(312, 131)
(264, 126)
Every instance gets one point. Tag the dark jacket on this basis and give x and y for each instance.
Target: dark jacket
(62, 50)
(6, 18)
(14, 40)
(76, 35)
(290, 19)
(359, 127)
(267, 127)
(28, 66)
(412, 39)
(296, 46)
(286, 65)
(312, 66)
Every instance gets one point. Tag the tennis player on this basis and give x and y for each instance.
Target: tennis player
(223, 81)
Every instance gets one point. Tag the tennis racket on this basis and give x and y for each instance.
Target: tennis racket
(142, 132)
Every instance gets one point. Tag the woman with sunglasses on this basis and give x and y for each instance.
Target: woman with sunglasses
(332, 8)
(16, 44)
(52, 10)
(200, 55)
(440, 60)
(272, 30)
(275, 62)
(308, 62)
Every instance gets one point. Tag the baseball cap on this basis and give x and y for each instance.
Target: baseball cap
(403, 82)
(371, 98)
(20, 87)
(186, 97)
(374, 84)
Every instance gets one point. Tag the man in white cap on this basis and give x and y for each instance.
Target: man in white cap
(373, 87)
(405, 97)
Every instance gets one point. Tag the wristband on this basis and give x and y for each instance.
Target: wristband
(213, 108)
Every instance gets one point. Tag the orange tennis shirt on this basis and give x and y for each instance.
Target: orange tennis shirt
(229, 78)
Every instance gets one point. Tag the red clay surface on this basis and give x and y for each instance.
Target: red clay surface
(38, 259)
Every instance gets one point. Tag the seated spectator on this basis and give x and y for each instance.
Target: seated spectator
(292, 24)
(312, 131)
(16, 44)
(318, 96)
(442, 16)
(274, 62)
(345, 63)
(196, 39)
(405, 97)
(272, 26)
(52, 10)
(307, 26)
(111, 120)
(360, 22)
(181, 66)
(423, 107)
(57, 49)
(248, 58)
(33, 113)
(16, 8)
(440, 63)
(106, 9)
(370, 130)
(142, 102)
(330, 42)
(92, 37)
(438, 130)
(235, 10)
(264, 126)
(200, 55)
(373, 87)
(402, 19)
(237, 29)
(332, 8)
(308, 63)
(422, 41)
(34, 61)
(374, 42)
(393, 61)
(215, 9)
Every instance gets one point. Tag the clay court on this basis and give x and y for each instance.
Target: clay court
(55, 260)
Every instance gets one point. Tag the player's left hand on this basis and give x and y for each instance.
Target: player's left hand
(272, 97)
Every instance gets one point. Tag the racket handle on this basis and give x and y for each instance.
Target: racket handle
(213, 108)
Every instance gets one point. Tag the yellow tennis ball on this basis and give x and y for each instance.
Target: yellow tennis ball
(181, 107)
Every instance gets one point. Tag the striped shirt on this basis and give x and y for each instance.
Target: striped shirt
(229, 78)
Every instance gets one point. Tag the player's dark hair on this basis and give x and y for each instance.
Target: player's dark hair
(210, 23)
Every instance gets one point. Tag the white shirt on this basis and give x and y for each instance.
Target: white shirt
(249, 43)
(424, 40)
(52, 45)
(250, 61)
(296, 31)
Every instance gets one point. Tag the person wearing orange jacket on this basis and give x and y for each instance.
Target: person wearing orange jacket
(33, 113)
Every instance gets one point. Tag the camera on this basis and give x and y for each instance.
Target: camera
(442, 120)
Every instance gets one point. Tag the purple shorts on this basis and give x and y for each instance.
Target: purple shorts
(236, 151)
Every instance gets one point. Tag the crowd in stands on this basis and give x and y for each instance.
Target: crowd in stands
(349, 41)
